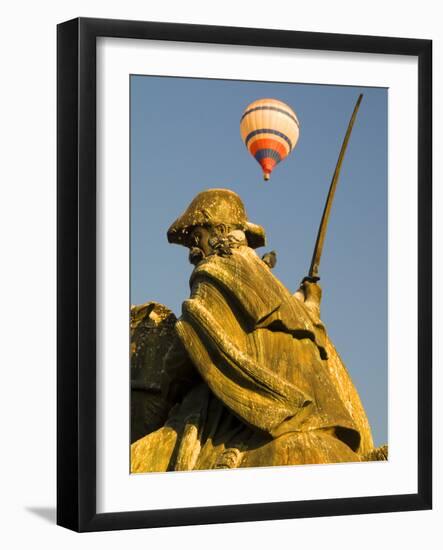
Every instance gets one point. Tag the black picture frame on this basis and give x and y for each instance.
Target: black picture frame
(76, 265)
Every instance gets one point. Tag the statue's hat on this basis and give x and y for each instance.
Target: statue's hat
(214, 207)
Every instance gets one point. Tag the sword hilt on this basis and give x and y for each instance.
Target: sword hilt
(310, 279)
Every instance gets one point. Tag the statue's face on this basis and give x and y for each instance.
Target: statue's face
(200, 236)
(200, 247)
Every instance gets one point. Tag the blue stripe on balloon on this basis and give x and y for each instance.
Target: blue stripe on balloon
(270, 108)
(268, 153)
(268, 131)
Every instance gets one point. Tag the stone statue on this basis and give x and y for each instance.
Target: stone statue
(250, 377)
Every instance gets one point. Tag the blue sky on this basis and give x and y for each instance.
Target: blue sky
(185, 137)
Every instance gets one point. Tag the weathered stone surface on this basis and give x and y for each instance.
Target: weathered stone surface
(378, 454)
(349, 396)
(248, 371)
(152, 332)
(269, 396)
(148, 454)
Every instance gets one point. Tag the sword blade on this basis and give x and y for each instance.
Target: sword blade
(318, 249)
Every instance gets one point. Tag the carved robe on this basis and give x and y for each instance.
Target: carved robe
(259, 382)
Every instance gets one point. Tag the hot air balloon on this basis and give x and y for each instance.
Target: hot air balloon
(270, 130)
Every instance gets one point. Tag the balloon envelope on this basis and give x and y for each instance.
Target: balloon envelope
(270, 131)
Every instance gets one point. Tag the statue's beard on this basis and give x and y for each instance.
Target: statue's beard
(196, 255)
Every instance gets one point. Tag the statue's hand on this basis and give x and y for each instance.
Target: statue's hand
(312, 291)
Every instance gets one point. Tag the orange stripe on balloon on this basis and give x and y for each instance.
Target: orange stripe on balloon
(268, 144)
(272, 137)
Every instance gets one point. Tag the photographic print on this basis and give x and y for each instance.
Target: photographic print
(258, 253)
(244, 274)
